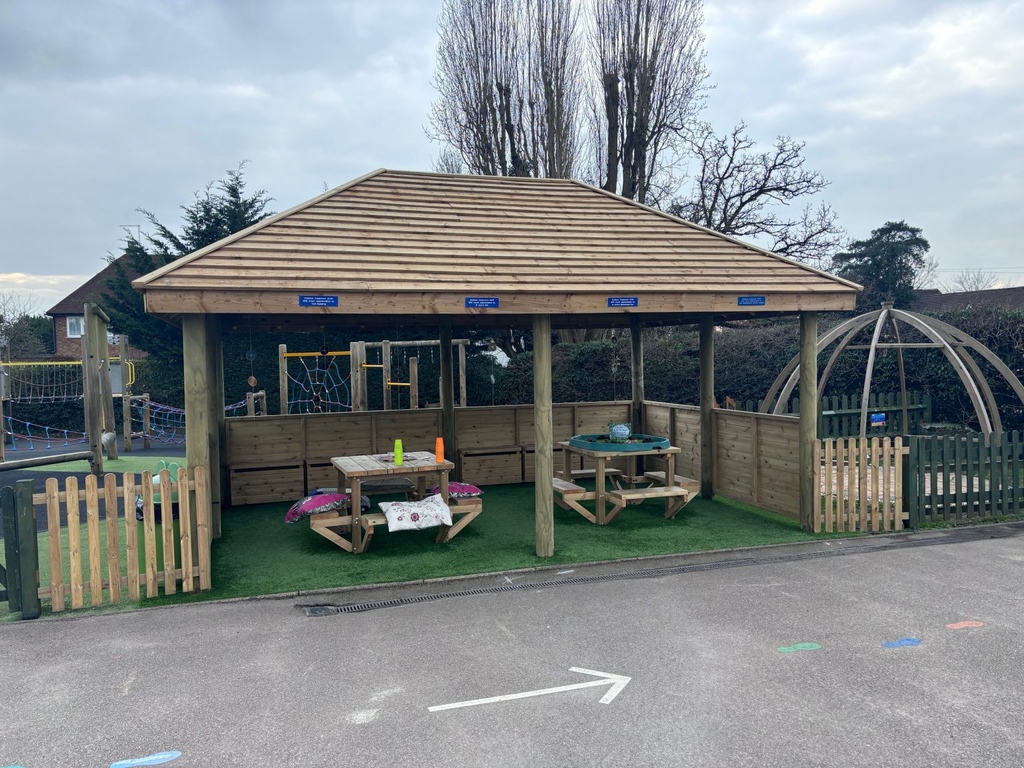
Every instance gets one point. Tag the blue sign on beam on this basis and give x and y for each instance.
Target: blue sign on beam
(318, 301)
(750, 301)
(481, 302)
(623, 301)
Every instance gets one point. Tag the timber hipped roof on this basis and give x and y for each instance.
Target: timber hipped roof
(419, 245)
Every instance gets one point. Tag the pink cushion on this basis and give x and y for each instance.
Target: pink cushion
(315, 504)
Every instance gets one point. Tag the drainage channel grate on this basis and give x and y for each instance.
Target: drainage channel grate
(643, 573)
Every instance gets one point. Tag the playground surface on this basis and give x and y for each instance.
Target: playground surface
(903, 656)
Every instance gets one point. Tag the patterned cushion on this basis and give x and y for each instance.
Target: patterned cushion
(320, 502)
(413, 515)
(459, 490)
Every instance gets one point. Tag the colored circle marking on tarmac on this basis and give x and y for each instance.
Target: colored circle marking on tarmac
(965, 625)
(158, 758)
(902, 642)
(799, 647)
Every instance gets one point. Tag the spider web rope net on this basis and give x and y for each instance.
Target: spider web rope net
(318, 387)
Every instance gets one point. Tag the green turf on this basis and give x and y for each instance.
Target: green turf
(259, 554)
(126, 463)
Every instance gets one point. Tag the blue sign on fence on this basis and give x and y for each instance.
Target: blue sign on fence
(750, 301)
(318, 301)
(877, 419)
(481, 302)
(623, 301)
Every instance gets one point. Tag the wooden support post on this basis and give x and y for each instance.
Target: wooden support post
(809, 493)
(147, 421)
(447, 395)
(357, 361)
(201, 423)
(385, 360)
(282, 378)
(126, 417)
(414, 382)
(544, 500)
(636, 348)
(91, 390)
(126, 392)
(462, 373)
(636, 354)
(102, 349)
(707, 403)
(218, 480)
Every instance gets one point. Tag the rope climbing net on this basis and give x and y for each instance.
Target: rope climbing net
(49, 382)
(317, 384)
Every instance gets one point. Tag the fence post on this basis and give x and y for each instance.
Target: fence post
(28, 550)
(911, 483)
(10, 577)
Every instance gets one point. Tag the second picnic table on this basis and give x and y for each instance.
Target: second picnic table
(661, 485)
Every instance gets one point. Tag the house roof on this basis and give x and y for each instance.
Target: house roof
(92, 291)
(410, 244)
(936, 301)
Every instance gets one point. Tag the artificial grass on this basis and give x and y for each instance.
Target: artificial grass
(259, 554)
(126, 463)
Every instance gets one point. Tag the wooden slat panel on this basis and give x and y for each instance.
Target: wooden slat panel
(92, 519)
(113, 538)
(131, 544)
(53, 528)
(203, 528)
(184, 531)
(74, 542)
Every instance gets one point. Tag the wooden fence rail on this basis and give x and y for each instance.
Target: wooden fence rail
(861, 485)
(165, 552)
(955, 478)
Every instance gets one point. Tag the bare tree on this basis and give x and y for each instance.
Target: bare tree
(21, 333)
(509, 87)
(925, 276)
(970, 280)
(652, 80)
(738, 191)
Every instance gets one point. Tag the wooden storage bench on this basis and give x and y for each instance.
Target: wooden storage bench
(492, 465)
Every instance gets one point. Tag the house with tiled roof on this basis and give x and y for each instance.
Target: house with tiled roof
(69, 316)
(936, 301)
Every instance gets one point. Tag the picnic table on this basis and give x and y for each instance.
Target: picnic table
(350, 528)
(667, 485)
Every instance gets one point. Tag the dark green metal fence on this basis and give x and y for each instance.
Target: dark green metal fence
(957, 478)
(21, 550)
(840, 415)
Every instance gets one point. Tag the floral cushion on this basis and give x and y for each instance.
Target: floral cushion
(317, 503)
(413, 515)
(459, 490)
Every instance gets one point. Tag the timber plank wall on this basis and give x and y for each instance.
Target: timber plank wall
(756, 454)
(282, 458)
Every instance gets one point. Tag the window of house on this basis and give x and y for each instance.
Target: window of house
(76, 327)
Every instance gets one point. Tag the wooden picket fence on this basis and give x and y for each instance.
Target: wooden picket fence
(101, 572)
(956, 478)
(861, 485)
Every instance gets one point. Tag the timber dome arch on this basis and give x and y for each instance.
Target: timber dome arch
(955, 345)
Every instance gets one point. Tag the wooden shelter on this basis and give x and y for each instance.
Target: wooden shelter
(395, 248)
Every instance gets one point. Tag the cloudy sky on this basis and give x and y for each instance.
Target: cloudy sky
(914, 109)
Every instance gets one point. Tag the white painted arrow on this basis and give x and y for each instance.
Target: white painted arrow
(617, 682)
